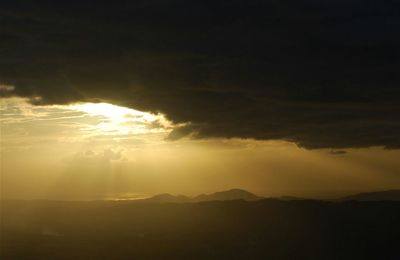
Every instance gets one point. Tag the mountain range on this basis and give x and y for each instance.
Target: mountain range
(240, 194)
(232, 194)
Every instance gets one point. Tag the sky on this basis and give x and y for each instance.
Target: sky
(129, 99)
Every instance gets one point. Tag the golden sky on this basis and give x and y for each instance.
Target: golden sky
(102, 151)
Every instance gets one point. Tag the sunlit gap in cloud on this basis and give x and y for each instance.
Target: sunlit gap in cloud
(117, 120)
(79, 122)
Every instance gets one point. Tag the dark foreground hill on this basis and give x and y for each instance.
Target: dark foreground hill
(262, 229)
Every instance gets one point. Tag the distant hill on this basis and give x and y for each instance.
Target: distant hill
(168, 198)
(393, 195)
(233, 194)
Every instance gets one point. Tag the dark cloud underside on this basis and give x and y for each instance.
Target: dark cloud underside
(320, 73)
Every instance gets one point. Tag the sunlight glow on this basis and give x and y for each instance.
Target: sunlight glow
(122, 120)
(80, 121)
(113, 112)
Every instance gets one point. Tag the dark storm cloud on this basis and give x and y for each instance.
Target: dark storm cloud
(319, 73)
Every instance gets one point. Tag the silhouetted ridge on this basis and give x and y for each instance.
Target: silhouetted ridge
(290, 198)
(233, 194)
(375, 196)
(168, 198)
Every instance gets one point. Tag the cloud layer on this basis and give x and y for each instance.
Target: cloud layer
(318, 73)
